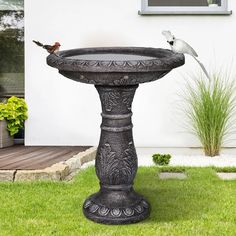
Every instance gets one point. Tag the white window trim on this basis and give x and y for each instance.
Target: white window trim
(149, 10)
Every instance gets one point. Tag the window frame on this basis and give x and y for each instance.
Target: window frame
(160, 10)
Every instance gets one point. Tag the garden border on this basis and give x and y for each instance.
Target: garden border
(57, 172)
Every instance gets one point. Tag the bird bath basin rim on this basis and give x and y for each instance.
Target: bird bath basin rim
(161, 60)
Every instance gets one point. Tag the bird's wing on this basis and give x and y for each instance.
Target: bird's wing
(38, 43)
(51, 49)
(187, 48)
(48, 47)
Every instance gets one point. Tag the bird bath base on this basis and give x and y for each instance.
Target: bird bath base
(137, 210)
(116, 162)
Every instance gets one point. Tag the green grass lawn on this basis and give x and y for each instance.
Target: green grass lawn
(200, 205)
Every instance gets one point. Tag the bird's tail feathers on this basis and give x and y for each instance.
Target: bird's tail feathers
(203, 68)
(38, 43)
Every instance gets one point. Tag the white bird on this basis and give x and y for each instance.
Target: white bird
(180, 46)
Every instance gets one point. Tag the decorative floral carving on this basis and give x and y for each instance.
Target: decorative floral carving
(105, 161)
(123, 212)
(125, 80)
(164, 59)
(139, 208)
(110, 100)
(103, 211)
(116, 212)
(93, 208)
(116, 169)
(127, 98)
(128, 211)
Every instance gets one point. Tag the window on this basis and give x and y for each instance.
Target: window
(11, 48)
(219, 7)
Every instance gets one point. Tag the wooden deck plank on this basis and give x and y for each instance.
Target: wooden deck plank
(45, 158)
(19, 150)
(56, 158)
(31, 157)
(11, 156)
(36, 157)
(29, 153)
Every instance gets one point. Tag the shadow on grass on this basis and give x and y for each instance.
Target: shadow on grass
(174, 200)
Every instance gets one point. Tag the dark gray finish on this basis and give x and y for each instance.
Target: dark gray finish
(116, 162)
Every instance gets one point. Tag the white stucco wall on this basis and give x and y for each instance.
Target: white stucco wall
(63, 112)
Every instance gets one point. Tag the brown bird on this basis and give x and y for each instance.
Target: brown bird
(50, 48)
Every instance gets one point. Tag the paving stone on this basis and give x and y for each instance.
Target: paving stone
(56, 172)
(87, 155)
(74, 163)
(71, 176)
(172, 175)
(31, 175)
(7, 175)
(61, 168)
(226, 176)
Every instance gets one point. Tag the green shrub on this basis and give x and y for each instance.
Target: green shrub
(15, 113)
(176, 169)
(210, 109)
(161, 159)
(225, 169)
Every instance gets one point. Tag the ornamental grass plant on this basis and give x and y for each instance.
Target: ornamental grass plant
(210, 109)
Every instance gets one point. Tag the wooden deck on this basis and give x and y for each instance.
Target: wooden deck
(19, 157)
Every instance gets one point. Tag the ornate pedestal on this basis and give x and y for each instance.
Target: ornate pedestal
(116, 162)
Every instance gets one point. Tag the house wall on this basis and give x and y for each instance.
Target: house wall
(63, 112)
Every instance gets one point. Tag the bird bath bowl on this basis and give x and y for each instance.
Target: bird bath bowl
(116, 74)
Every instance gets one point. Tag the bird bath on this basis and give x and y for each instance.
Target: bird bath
(116, 74)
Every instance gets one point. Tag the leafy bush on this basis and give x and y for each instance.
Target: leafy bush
(161, 159)
(210, 109)
(15, 113)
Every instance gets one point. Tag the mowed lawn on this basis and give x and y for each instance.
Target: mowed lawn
(200, 205)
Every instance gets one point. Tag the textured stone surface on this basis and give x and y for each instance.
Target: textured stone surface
(61, 168)
(71, 176)
(7, 175)
(173, 175)
(73, 163)
(87, 155)
(56, 172)
(226, 176)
